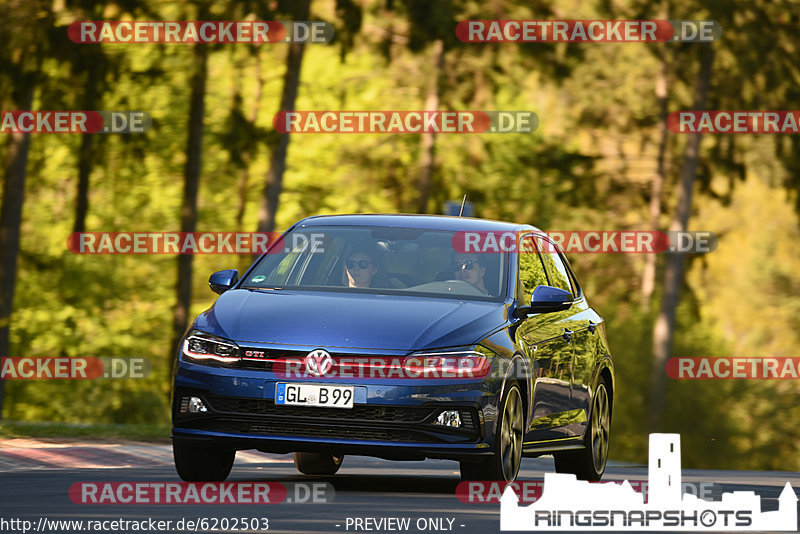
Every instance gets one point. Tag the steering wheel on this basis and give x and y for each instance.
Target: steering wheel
(479, 290)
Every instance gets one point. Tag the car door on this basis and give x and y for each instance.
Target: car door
(587, 345)
(580, 328)
(542, 339)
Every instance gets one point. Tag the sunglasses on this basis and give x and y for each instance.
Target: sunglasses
(464, 265)
(361, 264)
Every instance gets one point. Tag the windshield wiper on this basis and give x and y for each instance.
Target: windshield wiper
(260, 288)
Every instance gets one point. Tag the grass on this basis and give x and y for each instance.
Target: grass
(25, 429)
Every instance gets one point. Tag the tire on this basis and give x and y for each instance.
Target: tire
(504, 464)
(313, 463)
(589, 463)
(202, 464)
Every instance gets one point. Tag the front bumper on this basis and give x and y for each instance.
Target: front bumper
(390, 419)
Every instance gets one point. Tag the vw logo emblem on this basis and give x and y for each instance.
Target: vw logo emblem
(319, 362)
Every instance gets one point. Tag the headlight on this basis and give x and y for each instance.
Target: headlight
(462, 362)
(205, 348)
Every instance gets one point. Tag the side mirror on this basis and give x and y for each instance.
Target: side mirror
(546, 299)
(221, 281)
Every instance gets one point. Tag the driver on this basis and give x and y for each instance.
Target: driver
(467, 268)
(360, 268)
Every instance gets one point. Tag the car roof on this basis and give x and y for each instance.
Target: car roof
(433, 222)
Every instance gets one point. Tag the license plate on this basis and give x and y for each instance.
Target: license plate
(322, 396)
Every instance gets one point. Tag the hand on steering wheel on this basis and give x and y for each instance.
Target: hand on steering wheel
(482, 292)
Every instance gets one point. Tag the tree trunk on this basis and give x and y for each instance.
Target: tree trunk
(291, 81)
(86, 151)
(673, 279)
(244, 176)
(10, 220)
(247, 156)
(191, 173)
(649, 275)
(85, 161)
(427, 159)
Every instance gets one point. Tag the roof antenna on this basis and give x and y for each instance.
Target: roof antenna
(463, 201)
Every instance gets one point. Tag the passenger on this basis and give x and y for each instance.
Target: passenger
(466, 267)
(364, 268)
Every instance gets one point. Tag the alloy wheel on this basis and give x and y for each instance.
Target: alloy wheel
(601, 423)
(511, 434)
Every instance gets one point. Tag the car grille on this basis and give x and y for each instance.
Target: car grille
(371, 434)
(281, 354)
(362, 422)
(359, 412)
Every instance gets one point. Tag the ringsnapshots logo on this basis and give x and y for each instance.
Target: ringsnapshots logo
(569, 504)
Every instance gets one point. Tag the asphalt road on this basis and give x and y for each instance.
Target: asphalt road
(35, 482)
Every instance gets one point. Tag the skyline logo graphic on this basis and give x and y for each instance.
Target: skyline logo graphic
(569, 504)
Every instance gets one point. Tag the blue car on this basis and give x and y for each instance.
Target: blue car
(402, 337)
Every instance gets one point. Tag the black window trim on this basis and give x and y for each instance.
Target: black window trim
(573, 282)
(532, 235)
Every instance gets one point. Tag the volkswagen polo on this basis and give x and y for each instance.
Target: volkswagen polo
(402, 337)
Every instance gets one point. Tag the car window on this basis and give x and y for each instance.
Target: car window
(531, 270)
(556, 271)
(379, 259)
(576, 286)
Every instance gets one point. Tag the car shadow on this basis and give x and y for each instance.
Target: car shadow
(434, 484)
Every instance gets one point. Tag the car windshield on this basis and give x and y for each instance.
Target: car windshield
(412, 261)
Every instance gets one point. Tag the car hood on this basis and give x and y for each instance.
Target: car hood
(352, 321)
